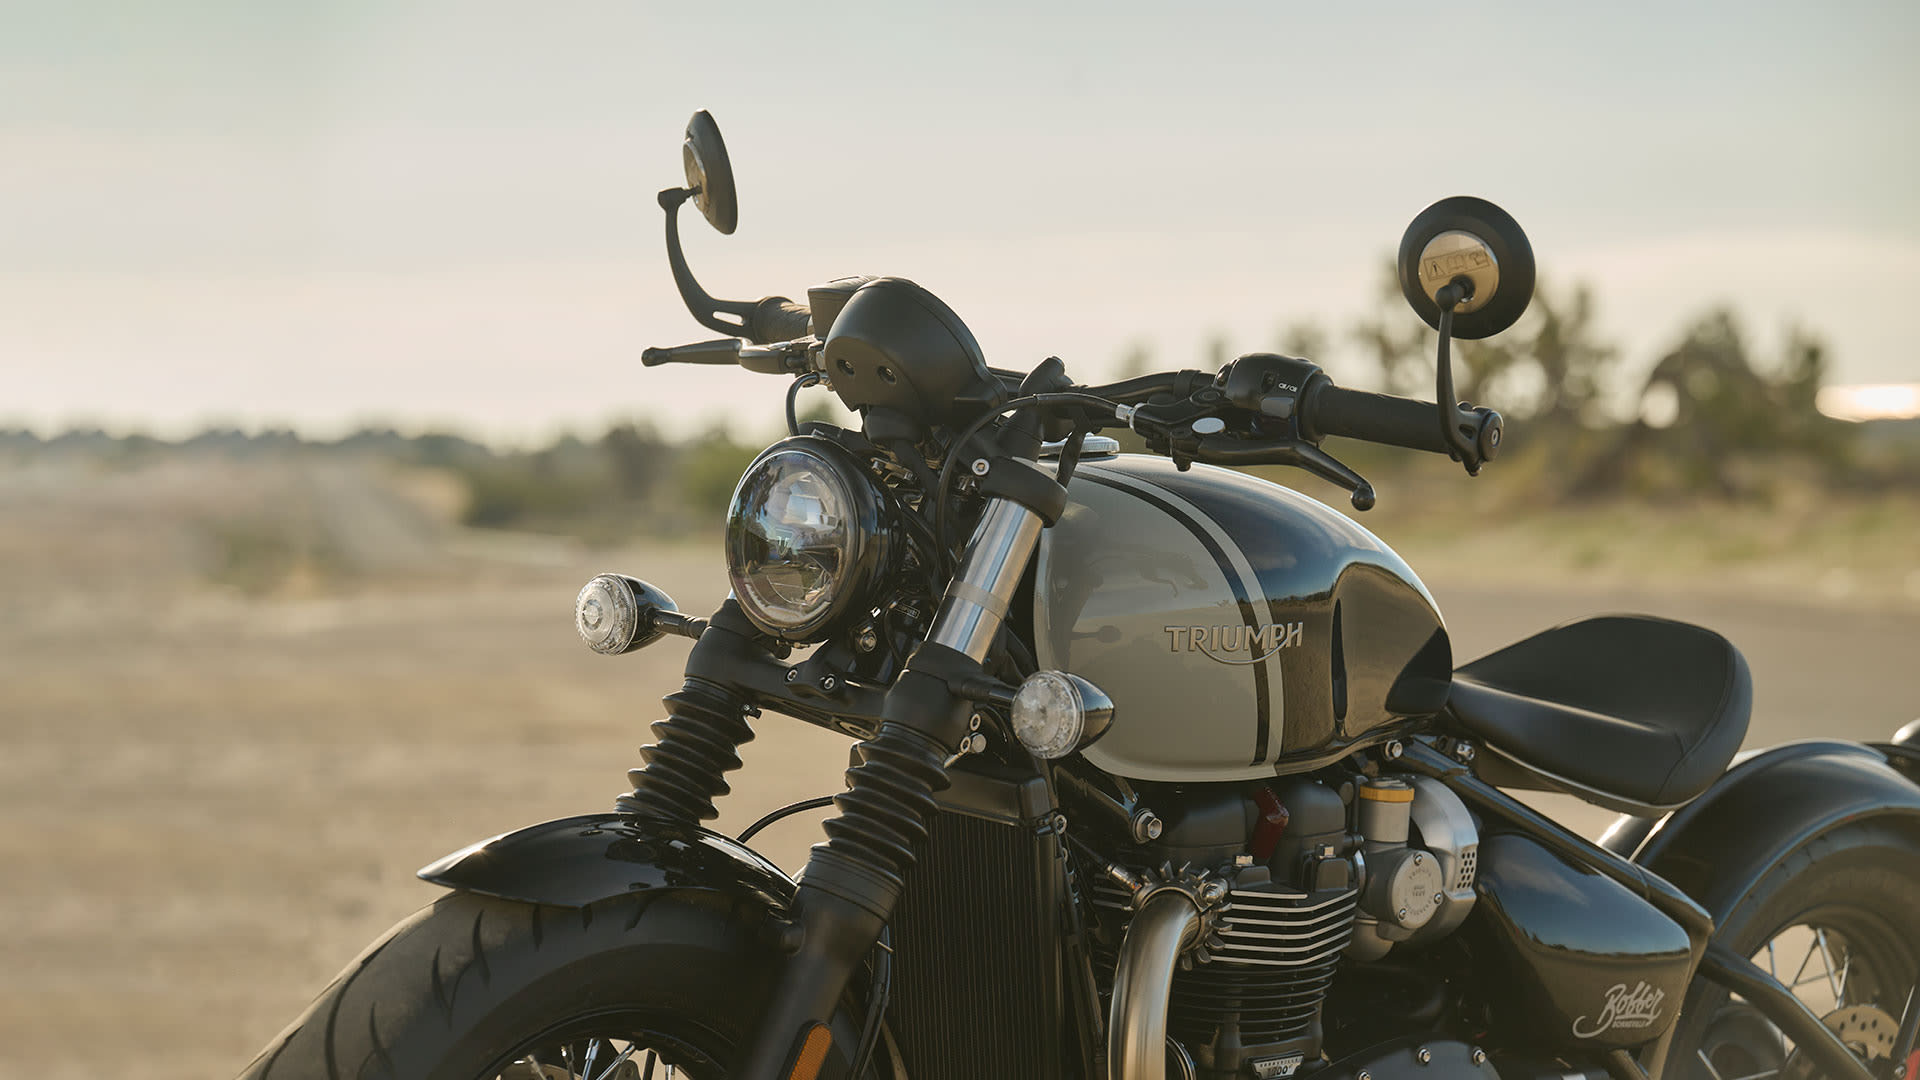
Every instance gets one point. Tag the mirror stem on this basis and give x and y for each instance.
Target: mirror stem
(1473, 434)
(704, 308)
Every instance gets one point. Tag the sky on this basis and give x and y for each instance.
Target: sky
(427, 213)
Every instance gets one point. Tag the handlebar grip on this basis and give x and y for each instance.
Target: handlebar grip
(777, 318)
(1380, 418)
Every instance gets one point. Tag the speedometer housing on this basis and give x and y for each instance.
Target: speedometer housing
(809, 539)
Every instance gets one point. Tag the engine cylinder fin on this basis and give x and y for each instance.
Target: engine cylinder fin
(1272, 963)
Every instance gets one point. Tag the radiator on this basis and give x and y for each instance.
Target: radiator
(976, 958)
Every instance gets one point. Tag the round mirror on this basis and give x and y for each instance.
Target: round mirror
(709, 173)
(1471, 238)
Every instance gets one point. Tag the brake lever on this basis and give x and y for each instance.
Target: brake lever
(723, 351)
(1227, 450)
(780, 358)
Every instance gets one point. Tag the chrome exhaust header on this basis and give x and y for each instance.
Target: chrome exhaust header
(1169, 918)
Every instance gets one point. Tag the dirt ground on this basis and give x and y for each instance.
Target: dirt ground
(209, 802)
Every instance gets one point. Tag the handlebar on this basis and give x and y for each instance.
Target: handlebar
(777, 318)
(1327, 409)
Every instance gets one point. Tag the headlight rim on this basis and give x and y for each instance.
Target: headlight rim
(873, 548)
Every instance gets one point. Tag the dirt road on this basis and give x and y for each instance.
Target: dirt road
(208, 805)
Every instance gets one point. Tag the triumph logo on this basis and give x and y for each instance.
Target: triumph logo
(1236, 644)
(1635, 1008)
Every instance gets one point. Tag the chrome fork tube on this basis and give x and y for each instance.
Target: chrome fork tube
(979, 595)
(1165, 925)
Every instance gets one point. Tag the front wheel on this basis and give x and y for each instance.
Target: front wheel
(1838, 923)
(475, 988)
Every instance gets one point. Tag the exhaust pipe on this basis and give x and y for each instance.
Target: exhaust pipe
(1164, 927)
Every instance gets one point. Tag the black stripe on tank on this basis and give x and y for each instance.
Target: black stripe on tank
(1263, 706)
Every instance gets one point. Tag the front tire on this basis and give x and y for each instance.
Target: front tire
(470, 986)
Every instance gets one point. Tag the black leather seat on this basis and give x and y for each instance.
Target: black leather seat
(1648, 711)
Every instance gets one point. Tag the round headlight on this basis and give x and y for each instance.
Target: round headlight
(806, 540)
(1055, 713)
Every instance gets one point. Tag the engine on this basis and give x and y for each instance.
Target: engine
(1317, 872)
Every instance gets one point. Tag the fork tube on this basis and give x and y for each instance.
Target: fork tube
(979, 595)
(852, 882)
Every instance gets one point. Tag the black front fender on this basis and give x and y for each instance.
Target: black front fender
(1719, 846)
(577, 861)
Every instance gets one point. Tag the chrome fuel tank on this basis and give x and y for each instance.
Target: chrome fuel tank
(1241, 628)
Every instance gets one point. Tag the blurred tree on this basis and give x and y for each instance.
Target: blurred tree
(1396, 340)
(638, 456)
(710, 467)
(1136, 360)
(1218, 352)
(1305, 339)
(1706, 406)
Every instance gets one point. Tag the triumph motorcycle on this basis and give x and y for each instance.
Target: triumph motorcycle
(1159, 769)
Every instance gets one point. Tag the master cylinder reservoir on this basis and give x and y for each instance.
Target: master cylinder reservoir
(1403, 886)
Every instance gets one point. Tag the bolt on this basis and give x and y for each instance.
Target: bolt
(1363, 1075)
(1478, 1057)
(793, 674)
(1463, 752)
(1419, 858)
(1147, 826)
(974, 721)
(1393, 749)
(829, 683)
(1438, 897)
(980, 466)
(1423, 1055)
(973, 743)
(1213, 891)
(1402, 913)
(867, 640)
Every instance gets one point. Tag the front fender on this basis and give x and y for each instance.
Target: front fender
(577, 861)
(1719, 846)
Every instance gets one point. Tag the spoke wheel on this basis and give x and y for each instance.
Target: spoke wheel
(1836, 926)
(615, 1048)
(1846, 969)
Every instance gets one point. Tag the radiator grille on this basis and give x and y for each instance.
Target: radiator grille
(975, 957)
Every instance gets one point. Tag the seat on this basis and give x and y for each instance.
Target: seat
(1629, 711)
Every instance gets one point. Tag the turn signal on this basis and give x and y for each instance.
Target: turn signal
(1055, 713)
(617, 614)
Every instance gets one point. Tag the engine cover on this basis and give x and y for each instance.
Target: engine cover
(1241, 628)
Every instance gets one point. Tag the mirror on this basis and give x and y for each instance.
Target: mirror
(709, 173)
(1471, 238)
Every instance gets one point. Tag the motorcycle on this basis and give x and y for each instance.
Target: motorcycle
(1160, 769)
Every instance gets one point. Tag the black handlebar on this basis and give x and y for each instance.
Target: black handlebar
(777, 318)
(1382, 418)
(1327, 409)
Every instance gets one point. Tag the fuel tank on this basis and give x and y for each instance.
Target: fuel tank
(1241, 628)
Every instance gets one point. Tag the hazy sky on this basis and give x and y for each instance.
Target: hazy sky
(320, 213)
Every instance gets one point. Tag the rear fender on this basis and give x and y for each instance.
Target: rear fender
(578, 861)
(1719, 846)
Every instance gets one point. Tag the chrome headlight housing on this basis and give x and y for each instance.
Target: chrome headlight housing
(808, 539)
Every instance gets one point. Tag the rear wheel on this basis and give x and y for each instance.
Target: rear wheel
(1838, 923)
(475, 988)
